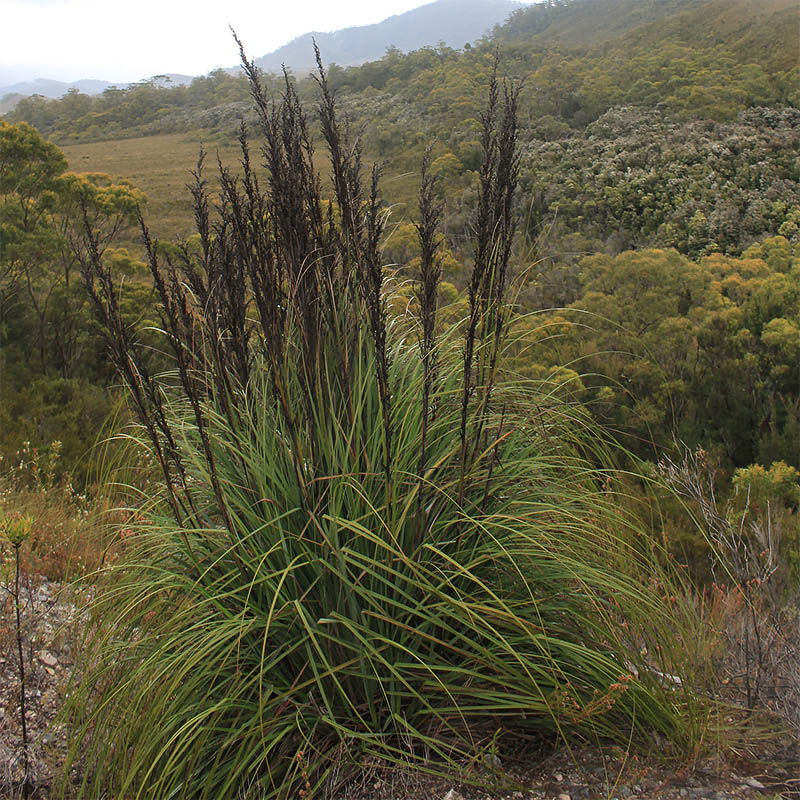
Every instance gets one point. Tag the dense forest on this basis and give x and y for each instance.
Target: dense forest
(612, 238)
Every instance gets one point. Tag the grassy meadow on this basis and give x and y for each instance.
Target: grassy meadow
(160, 166)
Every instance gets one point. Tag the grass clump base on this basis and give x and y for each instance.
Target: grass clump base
(367, 545)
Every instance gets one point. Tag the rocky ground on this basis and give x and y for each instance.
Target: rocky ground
(51, 627)
(52, 623)
(595, 773)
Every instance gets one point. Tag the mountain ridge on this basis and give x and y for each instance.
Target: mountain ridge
(53, 89)
(454, 22)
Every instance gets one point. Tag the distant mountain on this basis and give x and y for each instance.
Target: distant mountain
(8, 102)
(454, 22)
(51, 88)
(11, 94)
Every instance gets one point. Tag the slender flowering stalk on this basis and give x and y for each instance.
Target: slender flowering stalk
(498, 178)
(430, 213)
(17, 529)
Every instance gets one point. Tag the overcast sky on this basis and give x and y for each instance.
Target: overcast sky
(128, 40)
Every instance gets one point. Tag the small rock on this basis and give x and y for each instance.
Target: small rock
(558, 777)
(753, 783)
(47, 658)
(453, 795)
(564, 797)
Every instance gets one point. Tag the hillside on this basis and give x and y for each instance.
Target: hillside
(650, 124)
(454, 22)
(584, 22)
(710, 59)
(703, 69)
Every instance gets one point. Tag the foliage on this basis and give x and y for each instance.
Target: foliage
(119, 110)
(640, 28)
(604, 54)
(754, 600)
(634, 178)
(336, 569)
(675, 350)
(16, 528)
(780, 484)
(49, 536)
(52, 358)
(71, 535)
(640, 130)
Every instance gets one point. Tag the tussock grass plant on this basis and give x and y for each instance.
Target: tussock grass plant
(367, 545)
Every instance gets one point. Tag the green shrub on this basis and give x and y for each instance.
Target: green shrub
(366, 546)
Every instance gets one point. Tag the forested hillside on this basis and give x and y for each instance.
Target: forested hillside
(640, 120)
